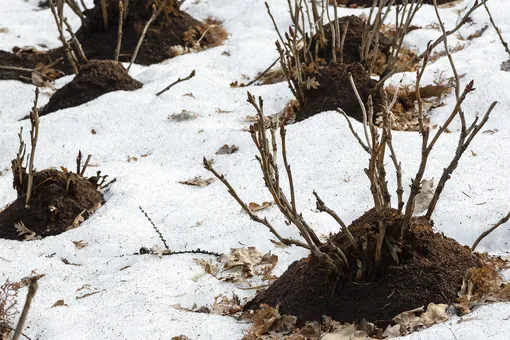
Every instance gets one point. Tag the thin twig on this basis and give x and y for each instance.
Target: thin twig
(34, 135)
(32, 289)
(161, 237)
(179, 80)
(119, 32)
(146, 27)
(263, 72)
(503, 42)
(432, 45)
(264, 221)
(85, 165)
(104, 11)
(490, 230)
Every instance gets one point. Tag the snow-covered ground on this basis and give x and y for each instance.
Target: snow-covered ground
(135, 303)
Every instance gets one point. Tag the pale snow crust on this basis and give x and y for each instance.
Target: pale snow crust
(135, 303)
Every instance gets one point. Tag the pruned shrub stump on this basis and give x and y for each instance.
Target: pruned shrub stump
(60, 201)
(431, 268)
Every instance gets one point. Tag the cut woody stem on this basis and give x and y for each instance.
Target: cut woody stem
(119, 32)
(34, 135)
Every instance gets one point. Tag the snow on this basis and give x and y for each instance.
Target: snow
(135, 303)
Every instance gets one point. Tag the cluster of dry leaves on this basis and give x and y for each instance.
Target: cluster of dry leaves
(241, 265)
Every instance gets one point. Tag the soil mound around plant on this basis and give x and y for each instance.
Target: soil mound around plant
(52, 209)
(172, 33)
(334, 90)
(171, 28)
(95, 79)
(431, 269)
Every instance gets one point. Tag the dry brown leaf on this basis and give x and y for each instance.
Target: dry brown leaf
(180, 337)
(345, 332)
(59, 303)
(312, 83)
(246, 258)
(183, 116)
(223, 305)
(198, 181)
(80, 244)
(4, 30)
(227, 150)
(257, 207)
(77, 221)
(208, 266)
(418, 318)
(28, 235)
(66, 261)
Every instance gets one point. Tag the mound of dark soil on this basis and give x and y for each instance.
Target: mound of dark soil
(171, 28)
(431, 269)
(95, 79)
(52, 209)
(335, 91)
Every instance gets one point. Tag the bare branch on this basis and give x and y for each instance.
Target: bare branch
(490, 230)
(179, 80)
(119, 32)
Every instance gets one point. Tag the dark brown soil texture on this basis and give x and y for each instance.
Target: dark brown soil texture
(335, 91)
(95, 79)
(52, 209)
(27, 59)
(172, 27)
(431, 269)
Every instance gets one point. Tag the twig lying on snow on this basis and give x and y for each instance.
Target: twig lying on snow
(161, 237)
(191, 75)
(263, 72)
(144, 251)
(487, 232)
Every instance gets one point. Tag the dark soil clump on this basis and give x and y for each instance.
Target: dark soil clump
(335, 91)
(20, 64)
(172, 33)
(52, 209)
(171, 28)
(431, 269)
(95, 79)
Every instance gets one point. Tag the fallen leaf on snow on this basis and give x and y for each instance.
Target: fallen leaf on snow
(59, 303)
(254, 207)
(183, 116)
(227, 150)
(208, 266)
(66, 261)
(417, 318)
(198, 181)
(180, 337)
(80, 244)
